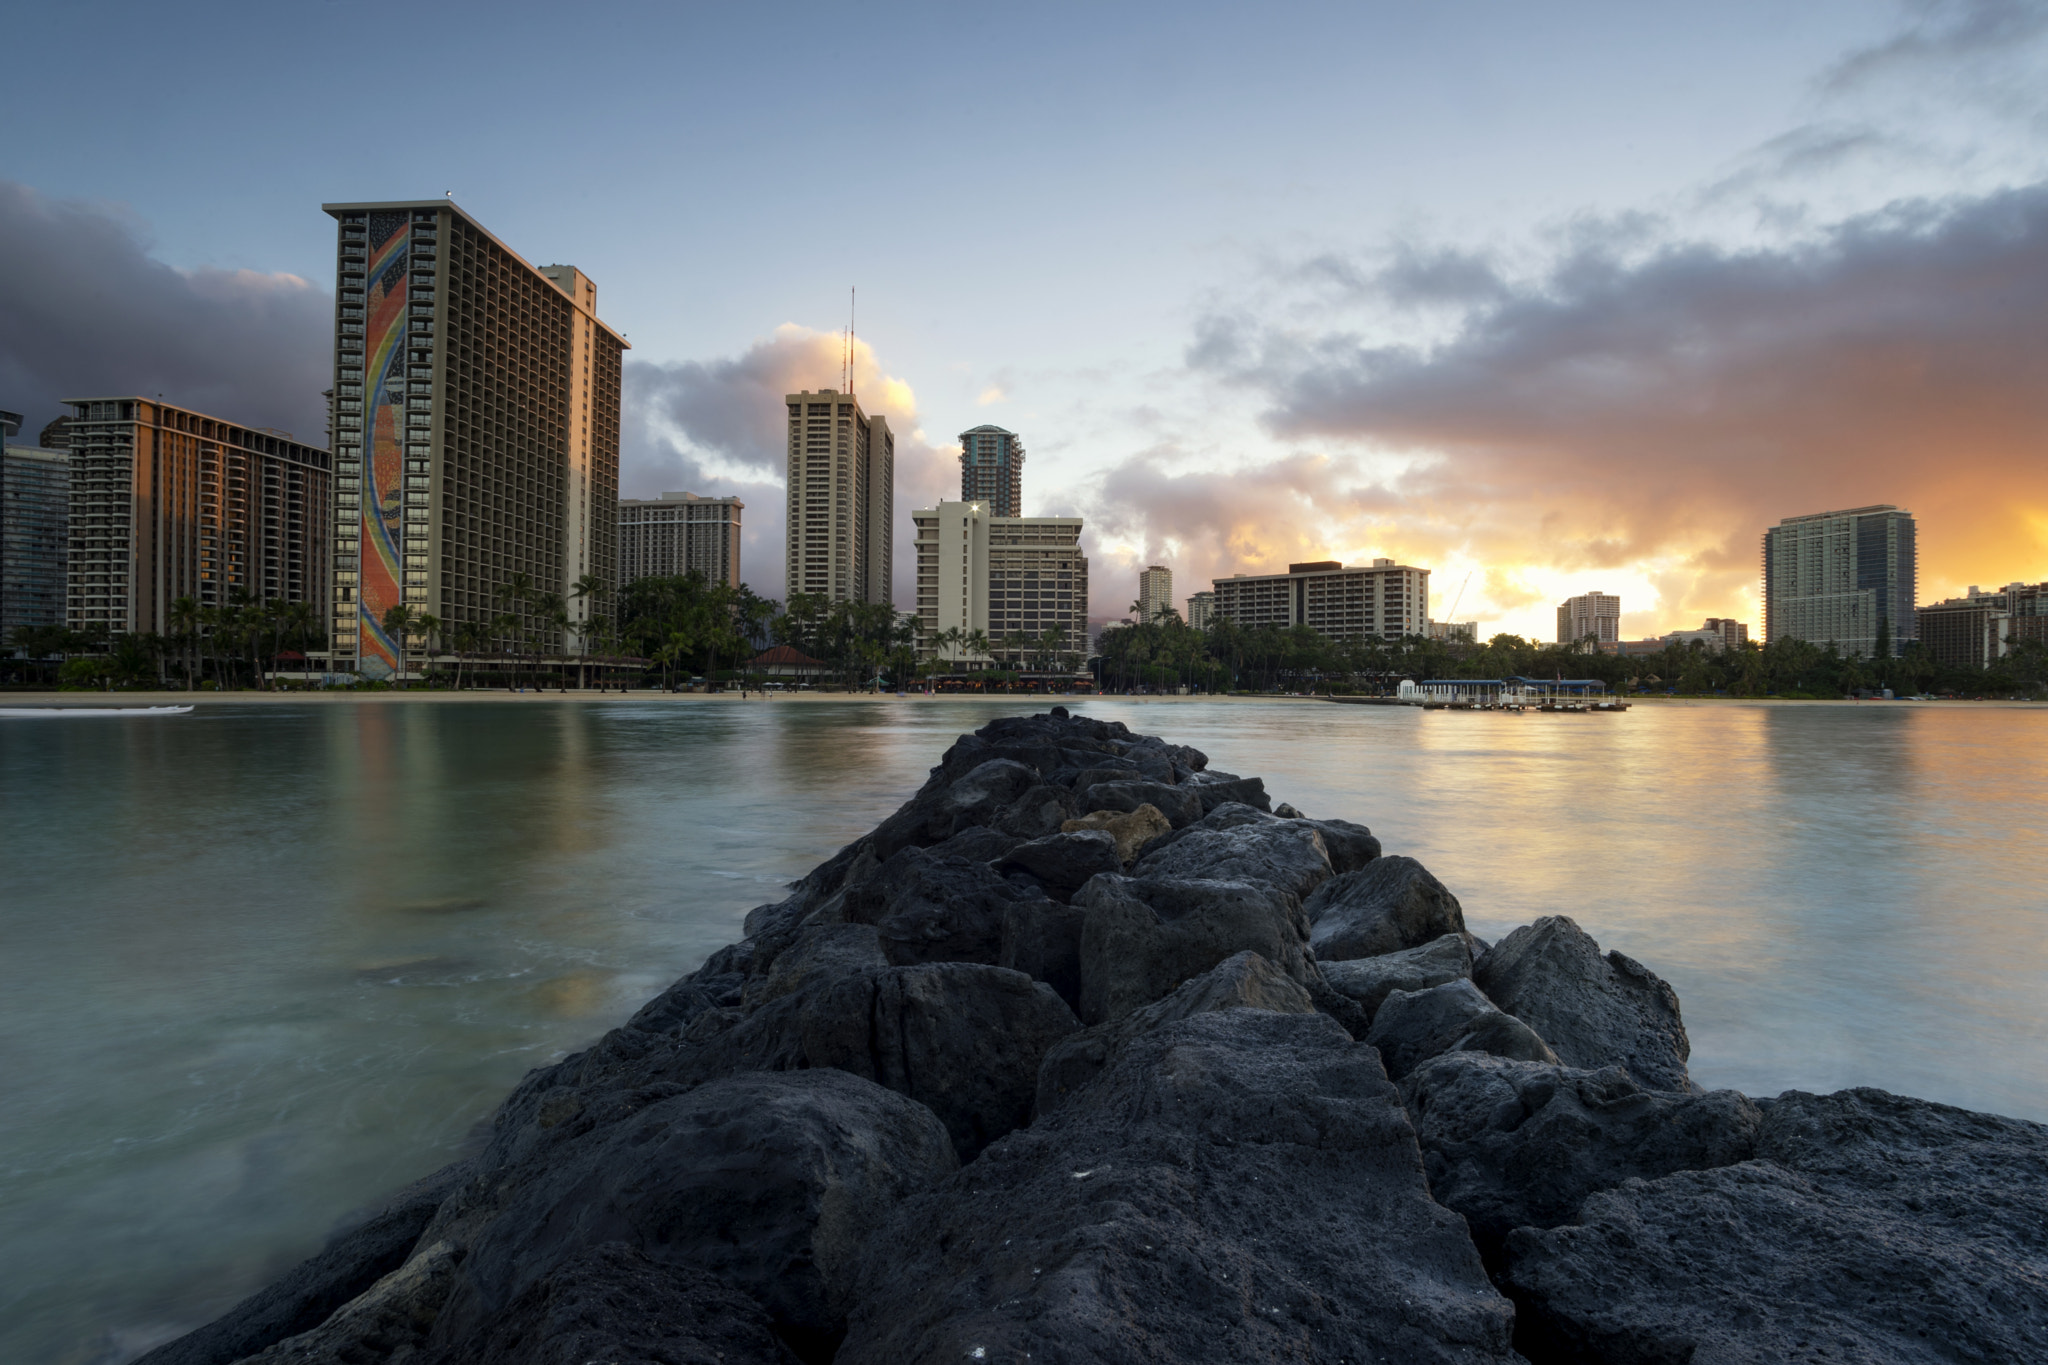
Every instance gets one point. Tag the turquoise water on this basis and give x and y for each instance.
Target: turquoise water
(263, 963)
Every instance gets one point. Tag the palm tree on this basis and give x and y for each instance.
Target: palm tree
(426, 625)
(588, 591)
(184, 623)
(398, 621)
(505, 625)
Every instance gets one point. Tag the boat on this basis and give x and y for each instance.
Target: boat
(39, 712)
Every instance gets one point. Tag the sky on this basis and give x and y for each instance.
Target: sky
(1546, 299)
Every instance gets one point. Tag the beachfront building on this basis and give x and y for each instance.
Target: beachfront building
(1594, 617)
(1976, 630)
(1843, 578)
(992, 469)
(476, 432)
(841, 501)
(35, 512)
(1385, 600)
(167, 503)
(1455, 632)
(1718, 635)
(1202, 610)
(1021, 582)
(1155, 593)
(668, 536)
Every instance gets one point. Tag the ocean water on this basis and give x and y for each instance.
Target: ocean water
(261, 964)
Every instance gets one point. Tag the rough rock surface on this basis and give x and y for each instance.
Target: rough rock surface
(1063, 863)
(1218, 789)
(771, 1181)
(1180, 805)
(1594, 1011)
(1238, 1186)
(1042, 939)
(1245, 981)
(1388, 905)
(1288, 854)
(1510, 1143)
(1869, 1228)
(932, 909)
(1369, 980)
(1410, 1027)
(1132, 829)
(1143, 936)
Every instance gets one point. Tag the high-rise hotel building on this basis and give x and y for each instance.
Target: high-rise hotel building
(476, 428)
(1842, 578)
(671, 535)
(842, 499)
(1340, 602)
(1016, 580)
(992, 470)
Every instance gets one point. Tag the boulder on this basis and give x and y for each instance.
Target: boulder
(1288, 855)
(977, 844)
(1037, 813)
(1410, 1027)
(825, 951)
(1180, 805)
(1042, 939)
(1511, 1144)
(1244, 981)
(1350, 846)
(1369, 980)
(931, 909)
(1064, 862)
(1142, 936)
(1869, 1228)
(1133, 830)
(1222, 789)
(1383, 907)
(614, 1303)
(772, 1181)
(1237, 1186)
(936, 814)
(1594, 1011)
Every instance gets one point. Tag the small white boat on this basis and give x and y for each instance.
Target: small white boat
(38, 712)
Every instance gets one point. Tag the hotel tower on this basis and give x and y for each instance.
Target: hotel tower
(476, 429)
(842, 499)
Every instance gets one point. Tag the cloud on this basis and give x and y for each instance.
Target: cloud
(86, 311)
(717, 428)
(1655, 414)
(1941, 35)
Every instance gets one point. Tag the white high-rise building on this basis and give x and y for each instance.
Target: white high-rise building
(1010, 578)
(1202, 609)
(842, 498)
(1594, 614)
(1386, 599)
(1155, 593)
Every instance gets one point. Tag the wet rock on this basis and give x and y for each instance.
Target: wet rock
(1386, 906)
(677, 1007)
(1180, 805)
(1286, 854)
(307, 1295)
(1133, 830)
(1594, 1011)
(1042, 939)
(1143, 936)
(1243, 981)
(1369, 980)
(1064, 862)
(1511, 1144)
(388, 1321)
(1237, 1186)
(613, 1303)
(933, 909)
(826, 951)
(1869, 1227)
(1410, 1027)
(771, 1181)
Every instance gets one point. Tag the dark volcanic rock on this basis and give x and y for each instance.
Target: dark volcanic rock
(304, 1297)
(1869, 1229)
(1133, 830)
(1238, 1186)
(1369, 980)
(771, 1181)
(1037, 813)
(1142, 937)
(1388, 905)
(1594, 1011)
(1245, 981)
(1065, 862)
(1510, 1143)
(1410, 1027)
(612, 1303)
(932, 909)
(1351, 846)
(1180, 805)
(936, 814)
(1287, 854)
(1220, 790)
(1042, 939)
(980, 844)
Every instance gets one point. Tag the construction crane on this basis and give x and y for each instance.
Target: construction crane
(1452, 614)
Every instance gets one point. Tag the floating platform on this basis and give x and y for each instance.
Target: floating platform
(40, 712)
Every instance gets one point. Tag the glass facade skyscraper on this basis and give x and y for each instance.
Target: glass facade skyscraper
(992, 470)
(1843, 578)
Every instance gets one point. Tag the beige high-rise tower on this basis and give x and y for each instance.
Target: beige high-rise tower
(842, 499)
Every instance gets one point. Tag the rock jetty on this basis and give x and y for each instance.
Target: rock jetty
(1087, 1054)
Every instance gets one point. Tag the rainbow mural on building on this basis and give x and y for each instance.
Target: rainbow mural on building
(384, 457)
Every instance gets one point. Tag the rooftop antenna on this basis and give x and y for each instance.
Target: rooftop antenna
(846, 372)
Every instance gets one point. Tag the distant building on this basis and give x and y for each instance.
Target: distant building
(1637, 649)
(1386, 600)
(1002, 576)
(668, 536)
(169, 503)
(1719, 635)
(1455, 632)
(992, 470)
(476, 430)
(1202, 610)
(1841, 577)
(1594, 615)
(56, 435)
(1155, 593)
(1976, 630)
(842, 498)
(35, 516)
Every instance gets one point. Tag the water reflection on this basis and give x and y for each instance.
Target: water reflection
(266, 963)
